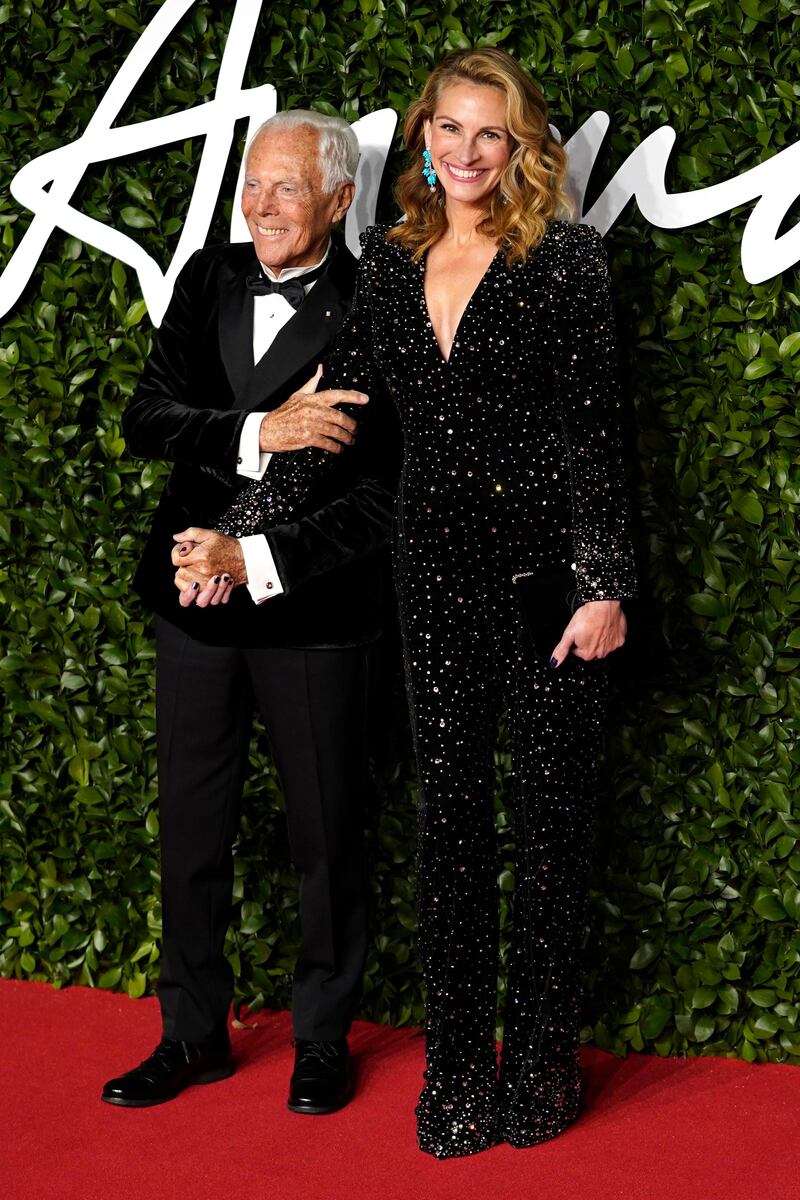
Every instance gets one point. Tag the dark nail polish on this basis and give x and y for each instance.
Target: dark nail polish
(553, 662)
(195, 586)
(226, 578)
(216, 579)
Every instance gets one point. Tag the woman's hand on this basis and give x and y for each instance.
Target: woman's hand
(216, 591)
(597, 628)
(210, 565)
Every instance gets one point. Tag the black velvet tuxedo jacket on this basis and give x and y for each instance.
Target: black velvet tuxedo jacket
(195, 392)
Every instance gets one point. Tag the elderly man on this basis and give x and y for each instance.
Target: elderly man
(231, 381)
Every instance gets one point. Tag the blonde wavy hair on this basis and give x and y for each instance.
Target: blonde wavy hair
(531, 191)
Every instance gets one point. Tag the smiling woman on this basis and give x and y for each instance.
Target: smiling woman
(489, 322)
(485, 125)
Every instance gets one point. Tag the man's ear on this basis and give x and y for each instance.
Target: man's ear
(346, 193)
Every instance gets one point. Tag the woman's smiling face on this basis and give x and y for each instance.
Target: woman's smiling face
(469, 142)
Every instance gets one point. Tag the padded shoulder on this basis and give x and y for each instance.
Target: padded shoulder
(373, 238)
(574, 243)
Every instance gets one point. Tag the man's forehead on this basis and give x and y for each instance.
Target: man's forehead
(294, 151)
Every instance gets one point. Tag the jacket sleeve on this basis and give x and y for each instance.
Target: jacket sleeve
(164, 419)
(588, 399)
(359, 521)
(339, 533)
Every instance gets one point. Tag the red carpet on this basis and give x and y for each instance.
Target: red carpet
(655, 1129)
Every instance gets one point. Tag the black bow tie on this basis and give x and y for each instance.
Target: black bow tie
(293, 290)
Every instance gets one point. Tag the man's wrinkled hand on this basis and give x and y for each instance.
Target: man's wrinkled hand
(309, 418)
(210, 565)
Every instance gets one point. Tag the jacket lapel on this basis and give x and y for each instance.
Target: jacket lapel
(236, 327)
(301, 341)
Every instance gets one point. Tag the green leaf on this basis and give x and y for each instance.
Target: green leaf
(706, 604)
(748, 344)
(768, 906)
(110, 978)
(137, 218)
(583, 62)
(121, 16)
(754, 10)
(748, 505)
(790, 345)
(677, 66)
(136, 986)
(704, 1027)
(587, 37)
(655, 1021)
(758, 368)
(763, 997)
(643, 956)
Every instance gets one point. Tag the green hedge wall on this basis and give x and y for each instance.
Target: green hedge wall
(693, 945)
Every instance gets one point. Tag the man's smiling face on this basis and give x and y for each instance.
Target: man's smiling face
(287, 212)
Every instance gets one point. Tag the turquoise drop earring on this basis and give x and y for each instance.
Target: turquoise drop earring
(428, 170)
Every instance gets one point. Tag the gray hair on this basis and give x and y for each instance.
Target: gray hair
(336, 143)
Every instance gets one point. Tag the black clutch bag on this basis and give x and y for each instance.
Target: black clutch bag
(547, 601)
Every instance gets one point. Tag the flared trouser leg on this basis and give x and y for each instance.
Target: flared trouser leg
(556, 722)
(454, 708)
(467, 656)
(458, 936)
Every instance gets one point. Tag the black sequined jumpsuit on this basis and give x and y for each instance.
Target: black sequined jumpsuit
(511, 465)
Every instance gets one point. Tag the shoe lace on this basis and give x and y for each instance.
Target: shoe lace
(325, 1053)
(163, 1057)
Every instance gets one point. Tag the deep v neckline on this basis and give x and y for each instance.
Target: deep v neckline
(428, 319)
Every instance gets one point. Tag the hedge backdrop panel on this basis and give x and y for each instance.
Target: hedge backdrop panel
(693, 943)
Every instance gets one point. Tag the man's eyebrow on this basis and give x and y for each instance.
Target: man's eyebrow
(282, 179)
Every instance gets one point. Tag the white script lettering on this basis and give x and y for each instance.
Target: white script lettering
(46, 185)
(775, 183)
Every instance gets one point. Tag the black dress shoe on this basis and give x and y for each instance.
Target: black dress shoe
(171, 1067)
(321, 1081)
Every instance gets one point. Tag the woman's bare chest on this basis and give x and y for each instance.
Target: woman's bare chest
(451, 280)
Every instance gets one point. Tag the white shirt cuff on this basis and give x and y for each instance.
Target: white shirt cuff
(263, 581)
(251, 462)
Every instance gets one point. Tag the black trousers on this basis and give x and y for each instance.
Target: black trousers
(469, 656)
(314, 704)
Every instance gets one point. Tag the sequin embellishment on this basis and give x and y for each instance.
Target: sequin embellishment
(512, 467)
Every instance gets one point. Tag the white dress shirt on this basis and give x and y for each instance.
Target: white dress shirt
(270, 314)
